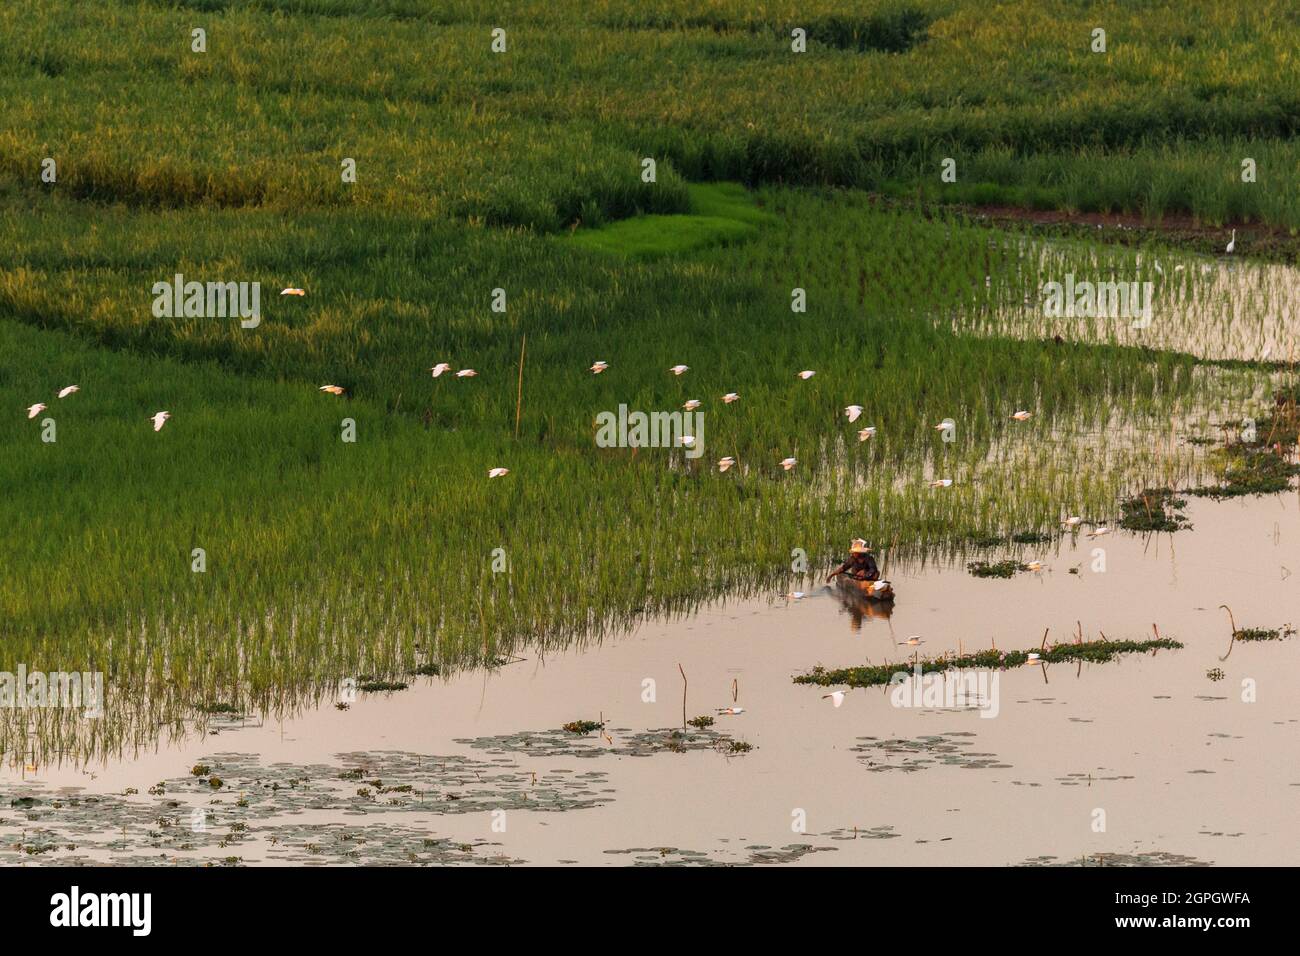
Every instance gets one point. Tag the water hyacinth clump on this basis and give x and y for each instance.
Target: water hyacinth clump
(1093, 652)
(997, 569)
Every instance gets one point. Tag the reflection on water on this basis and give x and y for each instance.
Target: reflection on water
(1214, 309)
(860, 607)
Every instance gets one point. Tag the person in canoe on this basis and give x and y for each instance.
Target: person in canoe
(860, 566)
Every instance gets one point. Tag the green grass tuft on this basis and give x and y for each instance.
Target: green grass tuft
(721, 214)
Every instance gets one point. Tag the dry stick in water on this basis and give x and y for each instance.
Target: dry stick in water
(679, 667)
(1233, 638)
(1043, 646)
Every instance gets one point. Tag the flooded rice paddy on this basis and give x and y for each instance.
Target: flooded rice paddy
(1182, 755)
(1220, 309)
(385, 590)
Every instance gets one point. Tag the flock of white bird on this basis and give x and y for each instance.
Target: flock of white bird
(34, 410)
(158, 418)
(852, 412)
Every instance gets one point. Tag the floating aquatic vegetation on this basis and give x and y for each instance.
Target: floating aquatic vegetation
(885, 832)
(1155, 509)
(1093, 652)
(621, 742)
(1264, 633)
(373, 685)
(1085, 779)
(1249, 471)
(672, 856)
(190, 820)
(583, 727)
(1018, 537)
(999, 569)
(1148, 858)
(920, 753)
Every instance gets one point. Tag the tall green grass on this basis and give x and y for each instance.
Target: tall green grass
(553, 130)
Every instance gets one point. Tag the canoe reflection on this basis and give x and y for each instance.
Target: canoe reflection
(859, 606)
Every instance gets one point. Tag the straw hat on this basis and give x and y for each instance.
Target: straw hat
(859, 546)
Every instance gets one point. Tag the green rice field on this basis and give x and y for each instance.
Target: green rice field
(501, 220)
